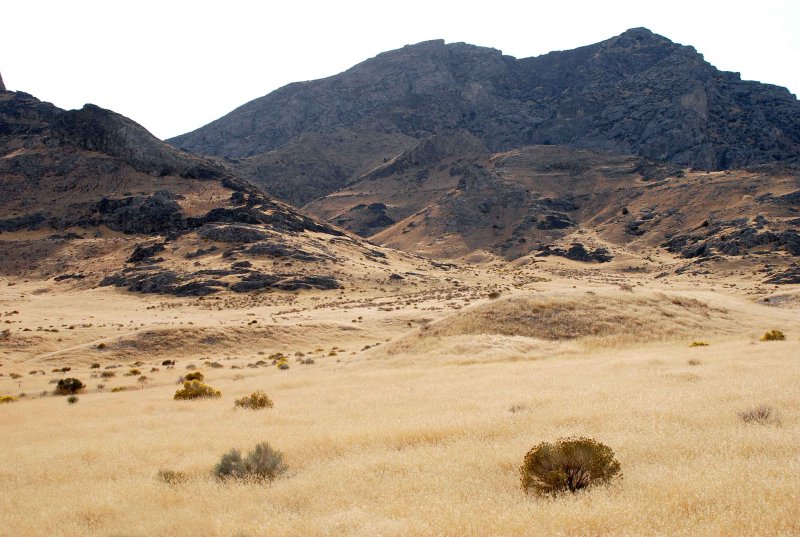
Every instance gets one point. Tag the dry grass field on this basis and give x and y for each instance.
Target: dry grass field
(413, 418)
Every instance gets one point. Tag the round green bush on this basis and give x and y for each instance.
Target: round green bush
(69, 386)
(262, 463)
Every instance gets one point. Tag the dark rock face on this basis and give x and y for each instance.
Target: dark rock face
(2, 85)
(365, 219)
(787, 277)
(156, 281)
(232, 233)
(732, 238)
(157, 213)
(635, 93)
(555, 221)
(577, 252)
(145, 252)
(28, 222)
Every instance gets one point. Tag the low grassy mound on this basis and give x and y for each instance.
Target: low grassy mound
(583, 315)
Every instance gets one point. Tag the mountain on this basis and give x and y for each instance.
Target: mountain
(450, 149)
(637, 93)
(89, 197)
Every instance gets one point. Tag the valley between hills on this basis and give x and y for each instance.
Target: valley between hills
(427, 279)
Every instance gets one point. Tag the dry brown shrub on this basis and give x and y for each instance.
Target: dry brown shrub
(570, 464)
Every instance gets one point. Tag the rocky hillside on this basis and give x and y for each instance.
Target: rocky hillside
(637, 93)
(585, 205)
(89, 197)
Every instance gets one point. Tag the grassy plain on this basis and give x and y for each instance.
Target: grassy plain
(415, 415)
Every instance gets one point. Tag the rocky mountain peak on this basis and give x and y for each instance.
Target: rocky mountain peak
(2, 86)
(635, 93)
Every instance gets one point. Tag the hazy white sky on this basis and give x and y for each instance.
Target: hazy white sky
(175, 65)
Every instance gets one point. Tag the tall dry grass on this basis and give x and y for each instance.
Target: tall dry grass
(422, 447)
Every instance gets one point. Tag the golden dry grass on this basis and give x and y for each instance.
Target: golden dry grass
(643, 316)
(424, 439)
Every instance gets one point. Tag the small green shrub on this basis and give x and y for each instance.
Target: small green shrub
(69, 386)
(698, 344)
(8, 399)
(255, 401)
(570, 464)
(133, 372)
(95, 366)
(72, 399)
(194, 389)
(197, 375)
(773, 335)
(108, 374)
(262, 463)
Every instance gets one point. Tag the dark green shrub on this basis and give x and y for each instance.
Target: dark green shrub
(72, 399)
(69, 386)
(197, 375)
(262, 463)
(194, 389)
(570, 464)
(255, 401)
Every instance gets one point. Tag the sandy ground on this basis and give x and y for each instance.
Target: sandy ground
(415, 414)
